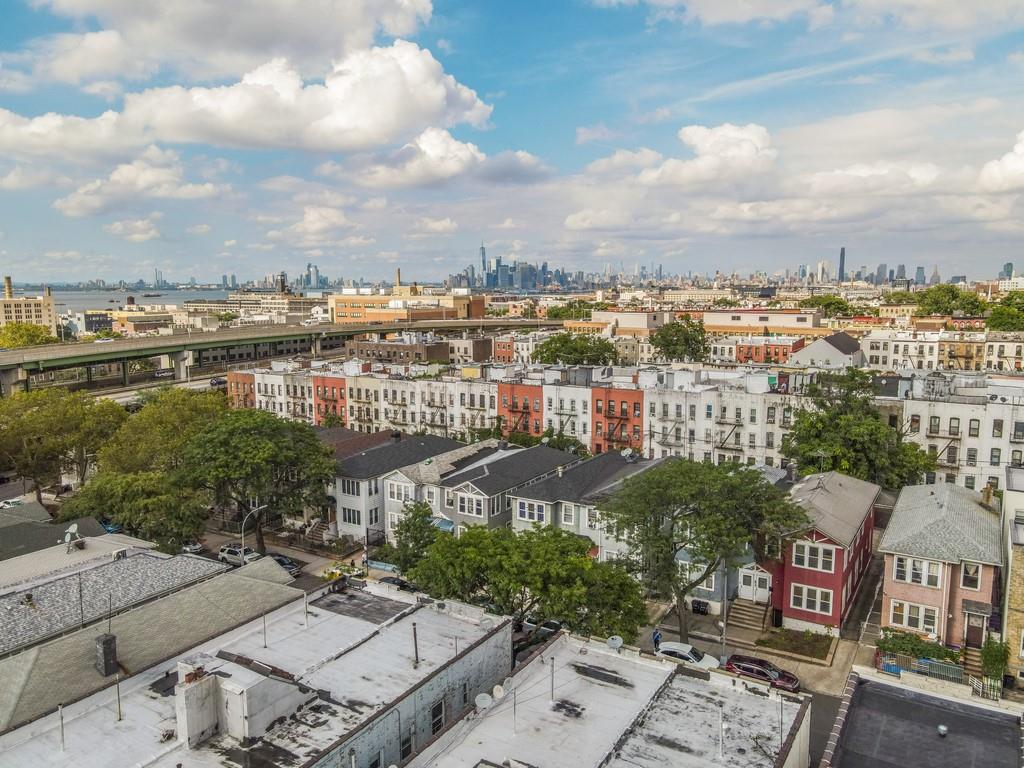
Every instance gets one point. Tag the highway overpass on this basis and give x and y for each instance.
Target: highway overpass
(246, 344)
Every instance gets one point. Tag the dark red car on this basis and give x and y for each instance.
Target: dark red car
(763, 671)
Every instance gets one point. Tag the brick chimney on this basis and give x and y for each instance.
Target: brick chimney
(8, 287)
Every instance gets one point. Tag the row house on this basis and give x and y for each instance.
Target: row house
(479, 487)
(241, 389)
(469, 349)
(1004, 352)
(567, 410)
(1013, 593)
(814, 583)
(960, 350)
(285, 390)
(569, 500)
(504, 349)
(520, 406)
(972, 425)
(618, 419)
(944, 557)
(767, 350)
(328, 397)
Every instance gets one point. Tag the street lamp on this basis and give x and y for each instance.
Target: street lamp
(245, 519)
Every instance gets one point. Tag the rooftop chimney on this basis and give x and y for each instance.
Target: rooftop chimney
(106, 655)
(398, 276)
(561, 470)
(8, 287)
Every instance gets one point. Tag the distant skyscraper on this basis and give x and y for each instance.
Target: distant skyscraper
(935, 279)
(483, 259)
(881, 274)
(901, 271)
(919, 276)
(223, 281)
(234, 281)
(1007, 270)
(842, 264)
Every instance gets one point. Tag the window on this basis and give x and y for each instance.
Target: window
(911, 616)
(973, 427)
(377, 760)
(465, 694)
(599, 406)
(954, 426)
(532, 511)
(769, 440)
(437, 717)
(933, 425)
(350, 487)
(770, 418)
(694, 570)
(471, 505)
(969, 482)
(997, 427)
(814, 557)
(568, 514)
(350, 516)
(399, 492)
(811, 599)
(915, 424)
(374, 516)
(970, 576)
(914, 571)
(972, 457)
(994, 457)
(592, 519)
(709, 411)
(405, 748)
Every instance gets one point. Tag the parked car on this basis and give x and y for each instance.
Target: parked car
(218, 381)
(192, 547)
(232, 554)
(402, 584)
(687, 654)
(287, 563)
(763, 671)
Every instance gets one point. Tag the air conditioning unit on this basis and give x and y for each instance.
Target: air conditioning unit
(120, 554)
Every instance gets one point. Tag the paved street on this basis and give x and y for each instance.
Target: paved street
(312, 566)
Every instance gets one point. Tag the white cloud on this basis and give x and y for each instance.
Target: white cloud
(108, 90)
(590, 219)
(78, 58)
(206, 40)
(880, 177)
(445, 45)
(319, 226)
(370, 99)
(734, 11)
(722, 152)
(947, 14)
(1007, 173)
(428, 226)
(624, 158)
(957, 54)
(22, 177)
(157, 173)
(513, 167)
(136, 230)
(508, 223)
(433, 156)
(1017, 57)
(375, 204)
(588, 133)
(14, 81)
(198, 229)
(230, 243)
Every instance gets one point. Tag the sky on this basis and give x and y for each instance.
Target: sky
(250, 136)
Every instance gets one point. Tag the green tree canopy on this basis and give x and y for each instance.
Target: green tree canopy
(414, 534)
(683, 339)
(843, 430)
(156, 436)
(575, 310)
(706, 512)
(575, 349)
(900, 297)
(542, 573)
(16, 335)
(249, 458)
(89, 424)
(948, 300)
(32, 437)
(151, 505)
(1008, 314)
(829, 304)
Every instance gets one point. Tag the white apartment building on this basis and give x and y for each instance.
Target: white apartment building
(286, 390)
(567, 410)
(33, 310)
(1004, 351)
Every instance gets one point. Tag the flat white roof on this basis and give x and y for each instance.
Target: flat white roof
(354, 650)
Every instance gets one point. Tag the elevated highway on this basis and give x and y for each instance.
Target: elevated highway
(247, 344)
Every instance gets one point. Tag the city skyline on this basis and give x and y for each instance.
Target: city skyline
(752, 138)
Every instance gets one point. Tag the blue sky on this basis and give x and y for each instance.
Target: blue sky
(368, 134)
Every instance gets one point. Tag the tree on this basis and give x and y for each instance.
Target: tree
(709, 513)
(683, 339)
(414, 534)
(249, 458)
(32, 435)
(575, 349)
(995, 655)
(332, 420)
(948, 300)
(155, 437)
(843, 430)
(542, 573)
(829, 304)
(575, 310)
(16, 335)
(900, 297)
(88, 423)
(1008, 315)
(151, 505)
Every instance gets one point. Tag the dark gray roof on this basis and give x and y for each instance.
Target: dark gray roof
(844, 342)
(382, 459)
(944, 522)
(584, 479)
(836, 503)
(30, 536)
(520, 466)
(26, 511)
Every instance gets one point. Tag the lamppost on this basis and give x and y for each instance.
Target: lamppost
(245, 519)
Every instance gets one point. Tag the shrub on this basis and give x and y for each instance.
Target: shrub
(909, 644)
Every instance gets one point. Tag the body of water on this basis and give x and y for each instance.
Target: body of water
(70, 302)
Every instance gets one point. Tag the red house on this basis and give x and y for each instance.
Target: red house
(328, 398)
(822, 567)
(618, 418)
(519, 407)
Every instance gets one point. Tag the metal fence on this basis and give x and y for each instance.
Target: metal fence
(986, 687)
(895, 663)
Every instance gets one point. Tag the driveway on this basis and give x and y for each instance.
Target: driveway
(312, 565)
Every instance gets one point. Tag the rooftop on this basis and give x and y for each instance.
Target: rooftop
(386, 457)
(20, 537)
(585, 478)
(433, 469)
(614, 709)
(943, 522)
(515, 469)
(891, 726)
(38, 609)
(836, 503)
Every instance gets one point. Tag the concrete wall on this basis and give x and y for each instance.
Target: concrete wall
(479, 668)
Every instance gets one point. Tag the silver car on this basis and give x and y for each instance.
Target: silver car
(232, 555)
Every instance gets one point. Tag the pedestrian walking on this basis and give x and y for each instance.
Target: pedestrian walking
(656, 638)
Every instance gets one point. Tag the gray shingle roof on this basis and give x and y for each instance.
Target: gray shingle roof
(381, 459)
(30, 536)
(519, 467)
(844, 342)
(27, 511)
(585, 478)
(943, 522)
(836, 503)
(432, 469)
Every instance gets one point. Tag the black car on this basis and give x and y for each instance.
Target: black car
(287, 563)
(763, 671)
(218, 381)
(402, 584)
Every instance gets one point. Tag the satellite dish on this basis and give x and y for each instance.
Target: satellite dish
(507, 683)
(545, 440)
(626, 452)
(614, 642)
(498, 692)
(73, 528)
(483, 701)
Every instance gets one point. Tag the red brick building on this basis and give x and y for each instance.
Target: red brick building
(767, 349)
(618, 418)
(328, 398)
(504, 349)
(520, 407)
(241, 389)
